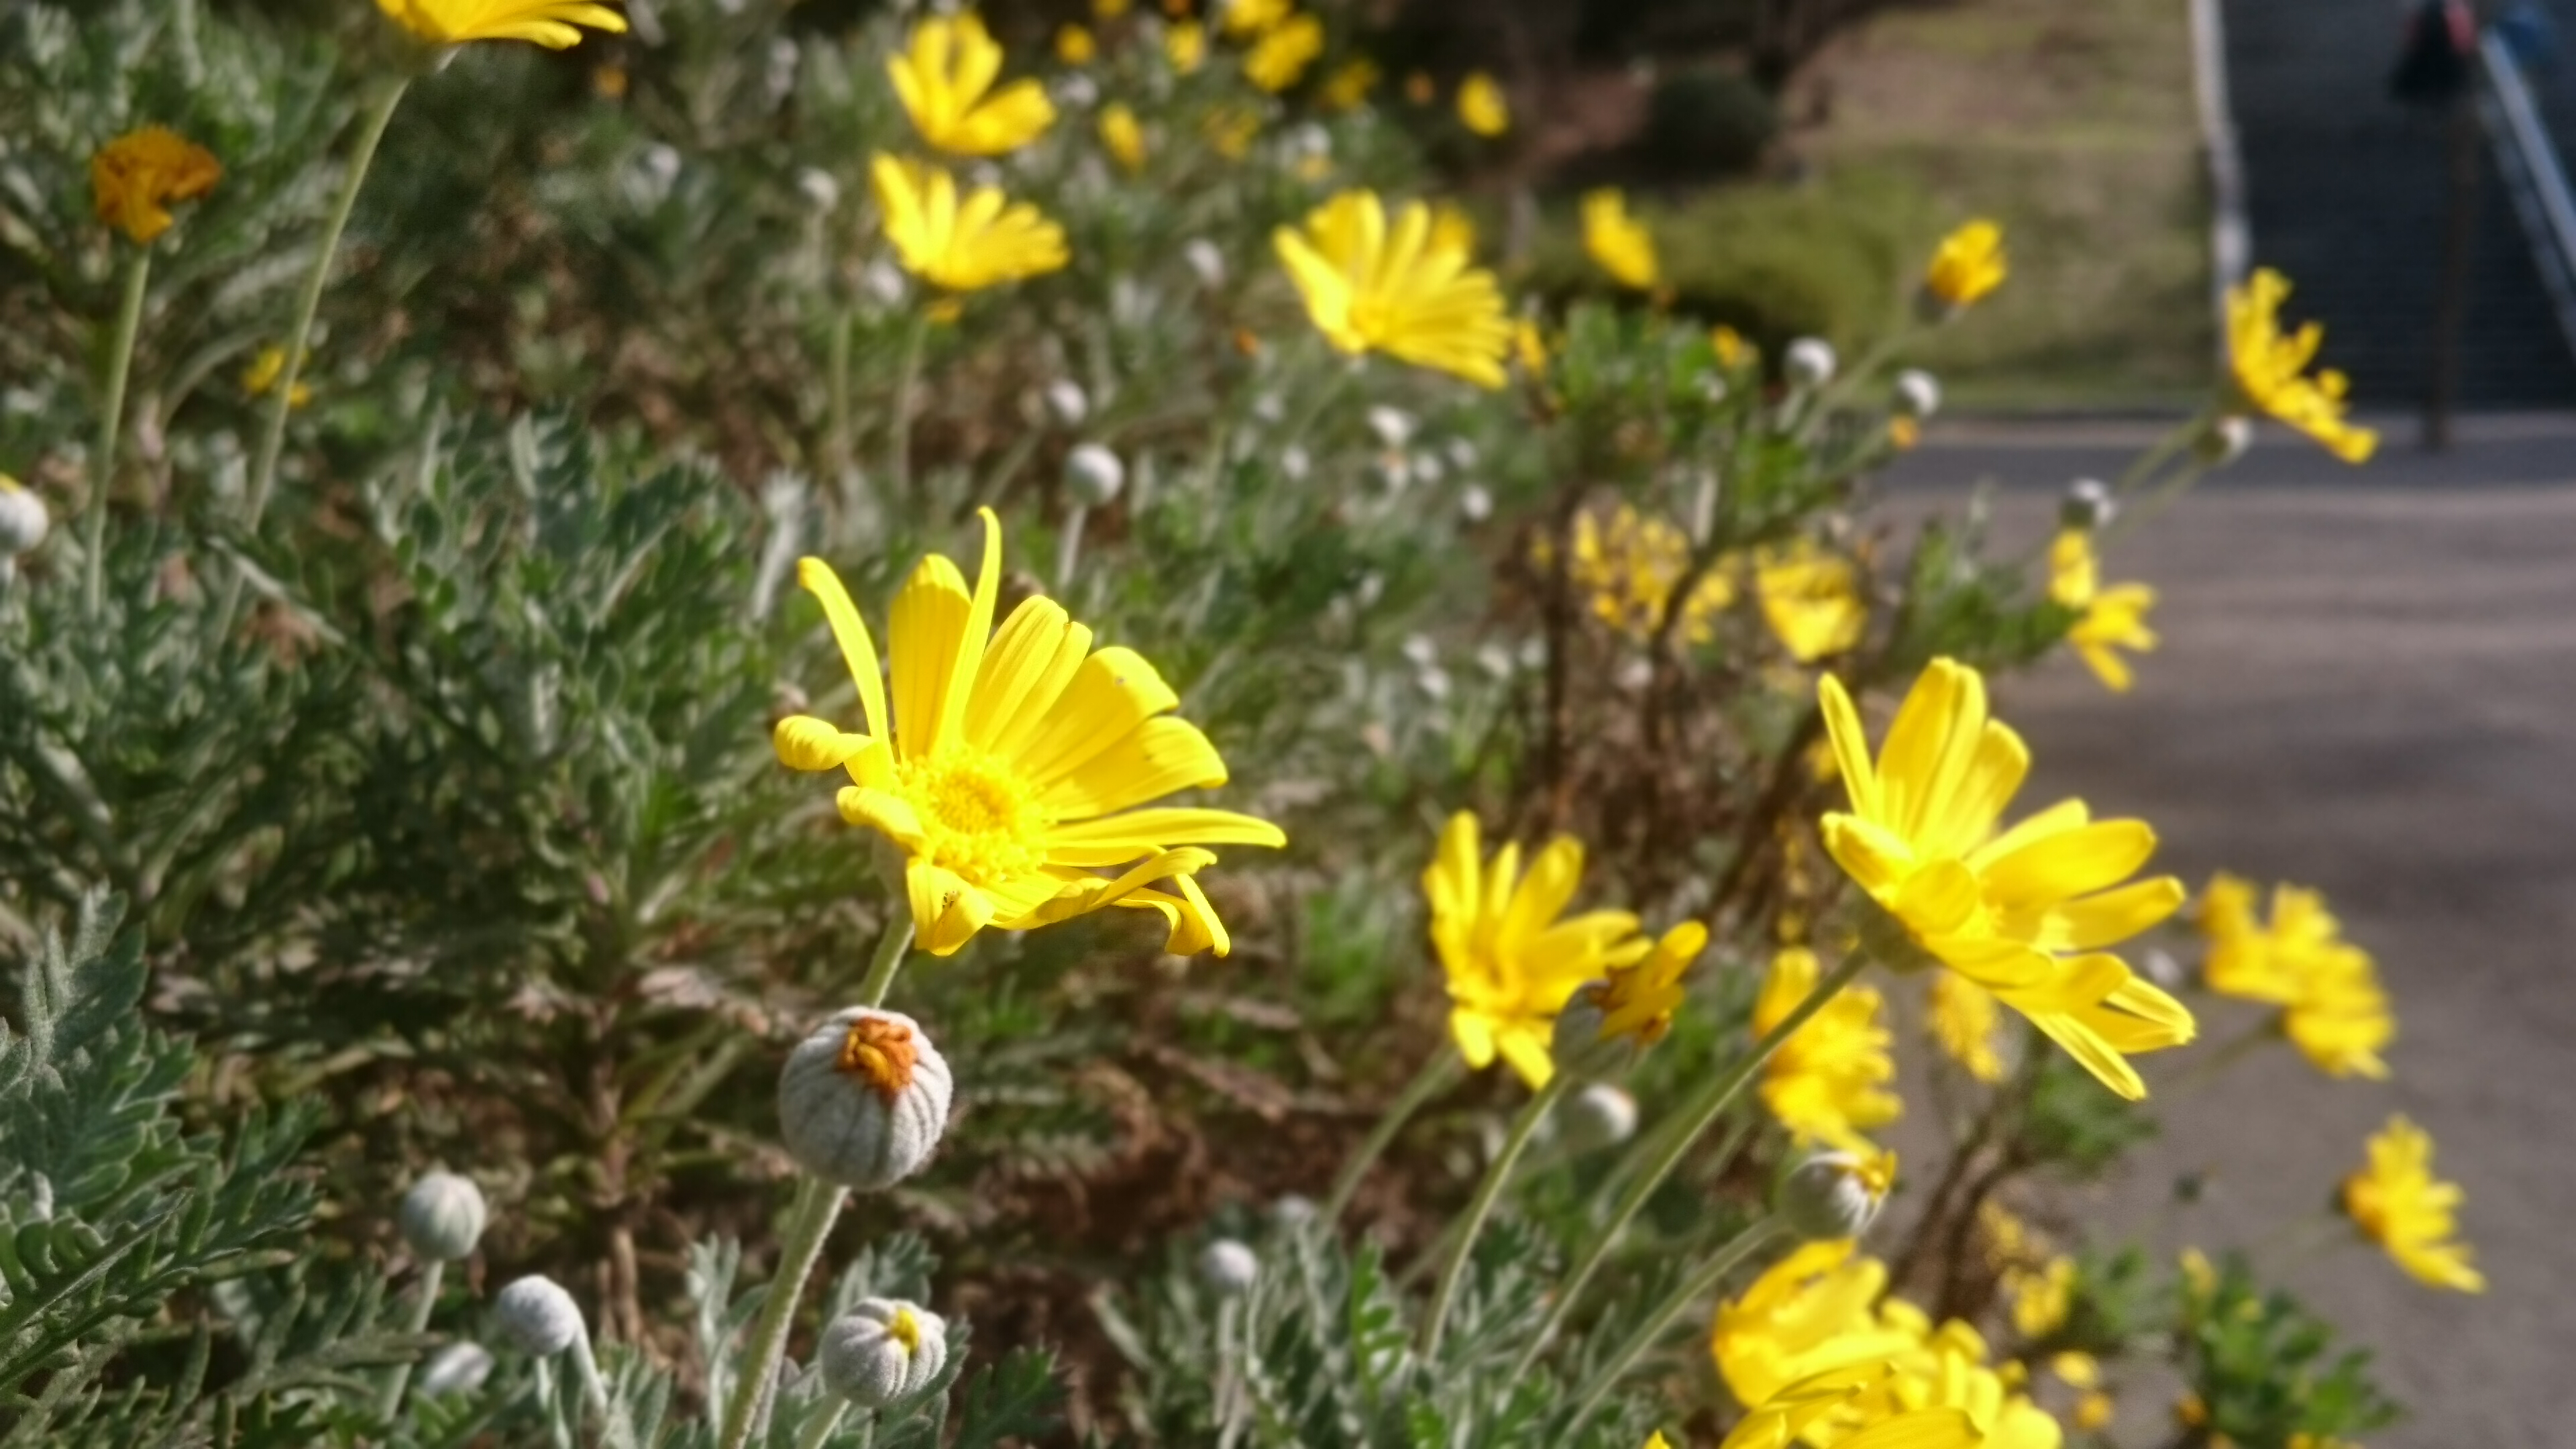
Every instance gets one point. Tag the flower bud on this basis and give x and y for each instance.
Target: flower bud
(883, 282)
(1834, 1194)
(1293, 1211)
(1475, 504)
(1918, 394)
(459, 1368)
(1066, 402)
(863, 1099)
(1393, 426)
(1093, 475)
(1578, 1046)
(442, 1217)
(882, 1350)
(1600, 1116)
(539, 1316)
(1205, 262)
(2088, 505)
(2223, 441)
(1809, 362)
(821, 189)
(23, 520)
(1228, 1267)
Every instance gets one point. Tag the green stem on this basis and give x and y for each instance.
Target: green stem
(824, 1423)
(272, 438)
(1068, 549)
(1755, 1237)
(2215, 1064)
(891, 946)
(389, 1402)
(1712, 1102)
(594, 1391)
(1435, 1077)
(111, 424)
(899, 446)
(1490, 1191)
(836, 428)
(809, 1222)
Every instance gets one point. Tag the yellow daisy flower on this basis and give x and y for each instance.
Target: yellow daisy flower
(1952, 1373)
(944, 76)
(1108, 10)
(2270, 369)
(965, 244)
(1511, 963)
(1827, 1082)
(2401, 1206)
(1482, 107)
(1281, 56)
(1074, 45)
(1967, 265)
(1853, 1402)
(1185, 46)
(2109, 619)
(1811, 599)
(1375, 287)
(2041, 1297)
(1999, 908)
(1618, 241)
(2332, 1007)
(1012, 763)
(1256, 17)
(1812, 1311)
(134, 178)
(554, 24)
(1639, 1001)
(1964, 1020)
(1122, 136)
(1348, 87)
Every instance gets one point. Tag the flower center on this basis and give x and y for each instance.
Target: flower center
(880, 1053)
(905, 1329)
(982, 819)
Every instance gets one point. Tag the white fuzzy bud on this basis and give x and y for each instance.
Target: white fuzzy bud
(1077, 91)
(1600, 1116)
(1093, 475)
(1205, 262)
(883, 282)
(1475, 504)
(442, 1217)
(1918, 394)
(1832, 1195)
(863, 1099)
(459, 1368)
(23, 520)
(820, 189)
(1809, 362)
(1393, 426)
(2088, 504)
(1294, 463)
(2224, 441)
(1228, 1267)
(882, 1350)
(539, 1316)
(1421, 650)
(1462, 454)
(1293, 1211)
(1066, 402)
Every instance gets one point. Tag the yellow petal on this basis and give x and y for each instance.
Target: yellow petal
(929, 621)
(849, 631)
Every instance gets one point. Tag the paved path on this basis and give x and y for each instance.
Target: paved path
(2370, 689)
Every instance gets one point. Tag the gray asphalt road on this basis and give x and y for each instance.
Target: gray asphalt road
(2368, 684)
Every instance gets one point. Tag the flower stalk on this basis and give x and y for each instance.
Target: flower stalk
(425, 1299)
(1713, 1101)
(810, 1216)
(1488, 1192)
(111, 423)
(1756, 1236)
(907, 381)
(1431, 1081)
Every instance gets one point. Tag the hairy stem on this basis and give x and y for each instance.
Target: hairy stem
(809, 1222)
(389, 1401)
(891, 946)
(1756, 1236)
(1435, 1076)
(1488, 1192)
(111, 426)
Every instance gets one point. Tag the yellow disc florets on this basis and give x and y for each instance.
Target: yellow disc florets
(982, 819)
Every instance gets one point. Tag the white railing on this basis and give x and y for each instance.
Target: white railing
(2533, 175)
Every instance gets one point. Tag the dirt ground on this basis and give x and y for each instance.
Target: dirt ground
(2368, 685)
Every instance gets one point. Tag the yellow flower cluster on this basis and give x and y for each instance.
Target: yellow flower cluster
(2022, 912)
(1629, 568)
(2109, 620)
(1824, 1309)
(968, 240)
(2332, 1008)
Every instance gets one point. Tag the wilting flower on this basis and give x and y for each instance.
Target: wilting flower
(1631, 568)
(2332, 1007)
(1482, 107)
(1510, 962)
(1827, 1082)
(966, 244)
(263, 373)
(554, 24)
(1281, 56)
(2270, 369)
(1963, 1020)
(2108, 620)
(1121, 136)
(2398, 1202)
(134, 178)
(1374, 288)
(1810, 598)
(1009, 768)
(1968, 264)
(1348, 87)
(1921, 839)
(1618, 241)
(945, 75)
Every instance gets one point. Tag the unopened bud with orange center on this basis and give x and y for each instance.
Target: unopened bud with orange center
(864, 1098)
